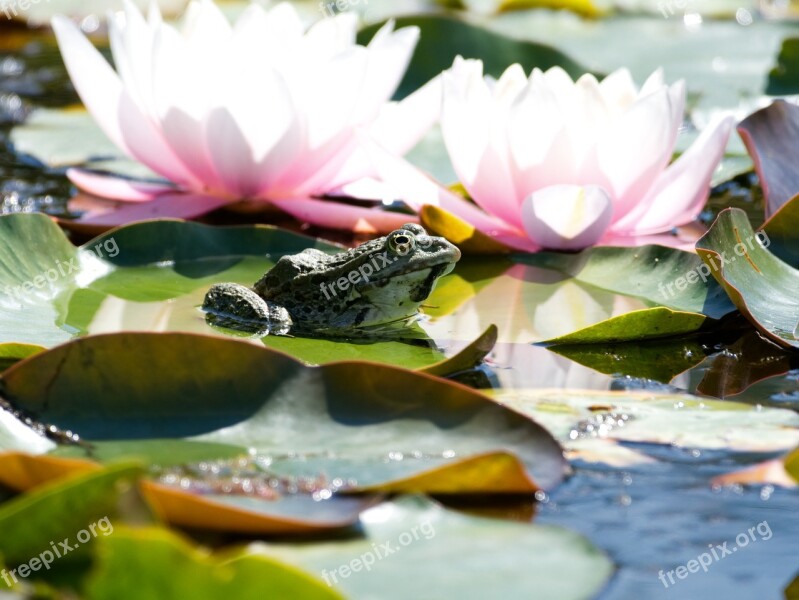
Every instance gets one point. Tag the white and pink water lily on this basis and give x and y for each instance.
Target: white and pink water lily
(554, 163)
(261, 110)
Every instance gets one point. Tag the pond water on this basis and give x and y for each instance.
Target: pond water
(648, 515)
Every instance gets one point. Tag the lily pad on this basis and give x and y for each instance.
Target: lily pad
(654, 418)
(375, 435)
(123, 281)
(657, 360)
(155, 563)
(762, 286)
(492, 558)
(658, 322)
(782, 230)
(661, 276)
(445, 37)
(224, 510)
(784, 77)
(60, 510)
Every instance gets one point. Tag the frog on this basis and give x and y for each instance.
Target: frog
(379, 283)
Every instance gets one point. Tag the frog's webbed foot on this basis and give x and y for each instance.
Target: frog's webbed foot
(237, 307)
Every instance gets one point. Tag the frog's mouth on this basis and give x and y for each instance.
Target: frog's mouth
(425, 288)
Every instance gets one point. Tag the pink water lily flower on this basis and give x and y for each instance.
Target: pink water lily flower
(262, 110)
(554, 163)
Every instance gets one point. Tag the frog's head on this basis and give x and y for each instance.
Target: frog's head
(380, 281)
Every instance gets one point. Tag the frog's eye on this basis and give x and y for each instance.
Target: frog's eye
(401, 242)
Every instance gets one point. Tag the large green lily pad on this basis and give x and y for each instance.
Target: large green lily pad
(123, 281)
(416, 549)
(358, 422)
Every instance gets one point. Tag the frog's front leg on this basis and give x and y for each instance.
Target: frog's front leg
(235, 306)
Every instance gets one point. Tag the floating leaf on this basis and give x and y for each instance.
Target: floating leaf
(784, 77)
(123, 281)
(60, 510)
(655, 274)
(492, 558)
(644, 324)
(275, 514)
(444, 37)
(782, 230)
(585, 8)
(155, 563)
(466, 359)
(231, 392)
(772, 137)
(672, 419)
(658, 360)
(763, 287)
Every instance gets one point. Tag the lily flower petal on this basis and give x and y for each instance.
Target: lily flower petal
(166, 206)
(567, 217)
(112, 107)
(416, 189)
(117, 188)
(679, 194)
(281, 125)
(335, 215)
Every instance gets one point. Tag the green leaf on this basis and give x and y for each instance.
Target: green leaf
(792, 464)
(159, 452)
(123, 281)
(644, 324)
(782, 230)
(656, 359)
(680, 420)
(468, 358)
(155, 563)
(492, 558)
(373, 431)
(444, 37)
(763, 287)
(651, 273)
(783, 79)
(61, 510)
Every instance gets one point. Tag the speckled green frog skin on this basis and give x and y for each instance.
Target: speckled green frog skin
(380, 282)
